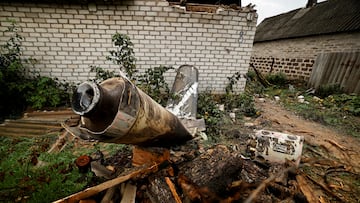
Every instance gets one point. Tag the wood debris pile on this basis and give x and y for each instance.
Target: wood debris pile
(191, 173)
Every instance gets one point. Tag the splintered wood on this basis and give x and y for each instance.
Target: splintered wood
(306, 189)
(106, 185)
(219, 174)
(148, 156)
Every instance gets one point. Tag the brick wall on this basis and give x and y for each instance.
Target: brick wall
(295, 57)
(67, 39)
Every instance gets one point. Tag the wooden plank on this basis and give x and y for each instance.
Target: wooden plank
(103, 186)
(349, 66)
(337, 68)
(354, 77)
(32, 126)
(327, 69)
(30, 121)
(314, 72)
(318, 70)
(129, 194)
(306, 189)
(149, 155)
(173, 190)
(61, 113)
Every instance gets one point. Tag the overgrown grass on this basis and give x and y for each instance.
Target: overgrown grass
(28, 173)
(328, 105)
(343, 117)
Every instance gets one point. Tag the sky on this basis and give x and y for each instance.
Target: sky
(268, 8)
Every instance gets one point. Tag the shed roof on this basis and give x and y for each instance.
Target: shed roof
(332, 16)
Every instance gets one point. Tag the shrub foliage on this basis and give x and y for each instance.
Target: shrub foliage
(20, 88)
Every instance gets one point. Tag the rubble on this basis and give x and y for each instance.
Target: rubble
(276, 147)
(36, 123)
(301, 99)
(217, 174)
(255, 166)
(190, 174)
(193, 172)
(277, 98)
(262, 100)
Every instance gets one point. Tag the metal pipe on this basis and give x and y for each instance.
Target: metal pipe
(117, 111)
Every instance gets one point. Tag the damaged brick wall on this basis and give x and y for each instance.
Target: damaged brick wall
(67, 38)
(299, 68)
(295, 57)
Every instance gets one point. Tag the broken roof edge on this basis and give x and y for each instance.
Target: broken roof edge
(210, 8)
(305, 36)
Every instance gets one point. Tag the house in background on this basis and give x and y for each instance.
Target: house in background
(290, 42)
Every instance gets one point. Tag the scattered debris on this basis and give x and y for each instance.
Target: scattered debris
(262, 99)
(184, 91)
(248, 124)
(37, 123)
(232, 116)
(277, 98)
(276, 147)
(101, 171)
(262, 166)
(260, 77)
(108, 184)
(83, 163)
(301, 99)
(129, 194)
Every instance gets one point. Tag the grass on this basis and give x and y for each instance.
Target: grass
(28, 173)
(333, 116)
(338, 110)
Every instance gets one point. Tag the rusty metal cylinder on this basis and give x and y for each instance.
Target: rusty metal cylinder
(117, 111)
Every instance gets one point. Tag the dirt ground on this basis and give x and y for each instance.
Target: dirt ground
(314, 133)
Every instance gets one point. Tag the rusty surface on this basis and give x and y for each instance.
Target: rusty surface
(122, 113)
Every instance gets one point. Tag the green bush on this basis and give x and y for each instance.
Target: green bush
(123, 55)
(278, 79)
(251, 75)
(45, 92)
(20, 88)
(153, 83)
(12, 75)
(343, 102)
(328, 89)
(243, 103)
(101, 74)
(207, 108)
(232, 81)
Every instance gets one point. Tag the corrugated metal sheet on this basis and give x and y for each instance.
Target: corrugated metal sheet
(337, 68)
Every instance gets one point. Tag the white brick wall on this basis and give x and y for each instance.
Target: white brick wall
(67, 39)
